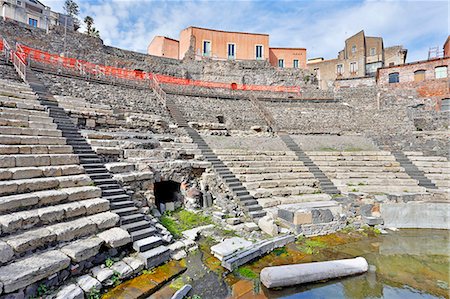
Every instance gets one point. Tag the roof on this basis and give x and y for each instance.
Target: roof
(447, 41)
(165, 37)
(281, 48)
(209, 29)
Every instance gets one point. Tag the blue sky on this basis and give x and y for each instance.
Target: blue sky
(319, 26)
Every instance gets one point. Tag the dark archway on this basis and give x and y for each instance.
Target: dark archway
(167, 195)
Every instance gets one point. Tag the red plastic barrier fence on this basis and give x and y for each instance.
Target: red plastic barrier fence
(86, 67)
(1, 44)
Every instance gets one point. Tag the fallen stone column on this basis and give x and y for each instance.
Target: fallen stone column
(283, 276)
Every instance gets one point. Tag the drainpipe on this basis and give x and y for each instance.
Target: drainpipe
(4, 11)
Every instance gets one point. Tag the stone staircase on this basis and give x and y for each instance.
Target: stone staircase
(325, 184)
(365, 171)
(413, 171)
(142, 231)
(249, 203)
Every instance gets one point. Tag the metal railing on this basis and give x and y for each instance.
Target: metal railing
(6, 50)
(264, 112)
(160, 93)
(20, 65)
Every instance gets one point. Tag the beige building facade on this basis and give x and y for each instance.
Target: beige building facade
(361, 57)
(34, 13)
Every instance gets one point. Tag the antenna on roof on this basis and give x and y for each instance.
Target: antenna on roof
(435, 52)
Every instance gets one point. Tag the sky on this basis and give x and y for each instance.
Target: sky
(319, 26)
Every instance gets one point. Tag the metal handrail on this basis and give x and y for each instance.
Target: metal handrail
(20, 66)
(7, 50)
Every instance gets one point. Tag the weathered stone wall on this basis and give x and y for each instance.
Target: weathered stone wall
(8, 73)
(118, 97)
(237, 114)
(354, 82)
(81, 46)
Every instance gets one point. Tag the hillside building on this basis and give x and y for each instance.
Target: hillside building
(361, 57)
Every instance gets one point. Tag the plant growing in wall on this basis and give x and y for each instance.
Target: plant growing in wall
(90, 29)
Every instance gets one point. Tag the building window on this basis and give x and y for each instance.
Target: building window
(445, 106)
(339, 69)
(206, 48)
(231, 51)
(440, 72)
(373, 51)
(353, 67)
(32, 22)
(419, 75)
(317, 73)
(353, 49)
(259, 52)
(281, 63)
(295, 64)
(394, 78)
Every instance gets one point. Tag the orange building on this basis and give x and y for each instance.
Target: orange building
(164, 47)
(447, 47)
(200, 43)
(288, 57)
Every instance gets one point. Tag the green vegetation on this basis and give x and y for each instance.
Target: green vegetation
(309, 246)
(247, 273)
(42, 290)
(182, 220)
(280, 251)
(151, 271)
(109, 262)
(361, 184)
(115, 279)
(94, 294)
(354, 190)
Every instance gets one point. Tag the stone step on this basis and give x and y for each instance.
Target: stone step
(147, 244)
(126, 211)
(117, 205)
(118, 197)
(35, 149)
(248, 202)
(31, 140)
(282, 191)
(4, 130)
(18, 173)
(131, 218)
(26, 271)
(253, 208)
(38, 184)
(135, 226)
(100, 176)
(142, 234)
(275, 201)
(155, 257)
(112, 192)
(257, 214)
(25, 220)
(9, 161)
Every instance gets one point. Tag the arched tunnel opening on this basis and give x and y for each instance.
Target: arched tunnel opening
(167, 195)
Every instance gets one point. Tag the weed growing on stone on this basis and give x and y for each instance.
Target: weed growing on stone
(309, 246)
(280, 251)
(94, 294)
(109, 262)
(41, 290)
(247, 273)
(182, 220)
(115, 279)
(151, 271)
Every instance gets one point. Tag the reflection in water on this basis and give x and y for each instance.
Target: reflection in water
(407, 264)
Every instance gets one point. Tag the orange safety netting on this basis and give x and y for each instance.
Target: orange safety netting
(86, 67)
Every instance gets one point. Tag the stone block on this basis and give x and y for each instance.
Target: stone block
(7, 161)
(51, 196)
(123, 269)
(10, 223)
(229, 246)
(73, 209)
(84, 192)
(95, 205)
(102, 273)
(67, 231)
(87, 283)
(267, 225)
(250, 226)
(6, 252)
(115, 237)
(136, 264)
(105, 220)
(182, 293)
(24, 272)
(302, 217)
(13, 202)
(50, 214)
(31, 240)
(83, 249)
(71, 291)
